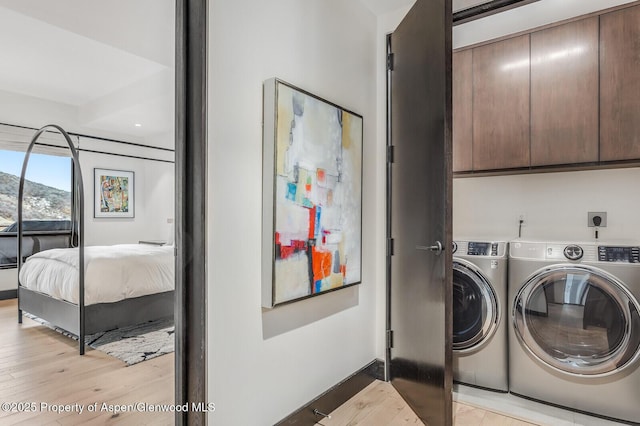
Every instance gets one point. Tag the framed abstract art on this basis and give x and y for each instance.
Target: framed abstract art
(312, 195)
(114, 193)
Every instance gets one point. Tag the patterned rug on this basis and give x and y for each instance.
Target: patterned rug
(131, 344)
(136, 343)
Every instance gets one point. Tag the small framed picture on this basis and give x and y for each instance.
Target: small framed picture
(114, 193)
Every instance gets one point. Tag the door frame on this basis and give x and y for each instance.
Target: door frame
(388, 235)
(190, 210)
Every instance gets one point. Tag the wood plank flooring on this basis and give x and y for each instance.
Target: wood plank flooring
(38, 365)
(379, 404)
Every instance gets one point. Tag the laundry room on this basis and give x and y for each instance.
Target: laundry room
(546, 165)
(546, 122)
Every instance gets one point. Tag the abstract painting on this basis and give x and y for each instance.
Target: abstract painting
(113, 193)
(312, 198)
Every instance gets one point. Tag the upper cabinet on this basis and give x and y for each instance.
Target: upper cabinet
(462, 112)
(567, 94)
(501, 104)
(564, 94)
(620, 85)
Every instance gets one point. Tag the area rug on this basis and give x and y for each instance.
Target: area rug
(131, 344)
(136, 343)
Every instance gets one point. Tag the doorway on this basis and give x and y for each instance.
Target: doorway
(146, 63)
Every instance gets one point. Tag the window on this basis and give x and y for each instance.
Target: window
(46, 204)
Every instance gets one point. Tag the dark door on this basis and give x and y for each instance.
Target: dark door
(419, 177)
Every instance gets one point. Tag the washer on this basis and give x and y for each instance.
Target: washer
(479, 302)
(574, 338)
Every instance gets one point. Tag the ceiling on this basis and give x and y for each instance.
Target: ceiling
(517, 19)
(384, 6)
(527, 17)
(380, 7)
(110, 62)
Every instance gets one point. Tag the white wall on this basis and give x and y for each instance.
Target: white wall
(154, 201)
(555, 205)
(263, 365)
(154, 193)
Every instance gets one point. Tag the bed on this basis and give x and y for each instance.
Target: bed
(124, 284)
(112, 273)
(84, 290)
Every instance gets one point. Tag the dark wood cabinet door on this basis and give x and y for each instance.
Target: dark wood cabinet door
(501, 104)
(462, 111)
(620, 85)
(564, 94)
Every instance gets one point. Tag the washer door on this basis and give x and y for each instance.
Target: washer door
(475, 307)
(578, 320)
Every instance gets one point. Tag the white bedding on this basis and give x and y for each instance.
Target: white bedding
(112, 273)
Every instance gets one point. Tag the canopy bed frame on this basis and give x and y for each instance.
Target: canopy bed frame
(77, 318)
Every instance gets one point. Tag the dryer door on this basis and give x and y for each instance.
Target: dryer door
(475, 307)
(579, 320)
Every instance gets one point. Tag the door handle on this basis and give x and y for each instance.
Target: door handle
(436, 248)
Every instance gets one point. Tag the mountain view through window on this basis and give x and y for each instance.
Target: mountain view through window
(47, 189)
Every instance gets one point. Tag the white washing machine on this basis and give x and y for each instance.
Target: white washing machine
(479, 313)
(574, 337)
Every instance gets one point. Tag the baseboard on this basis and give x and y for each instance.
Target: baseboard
(336, 396)
(8, 294)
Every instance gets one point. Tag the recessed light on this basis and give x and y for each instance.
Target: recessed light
(138, 125)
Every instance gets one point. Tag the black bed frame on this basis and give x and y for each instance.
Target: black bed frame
(98, 317)
(80, 319)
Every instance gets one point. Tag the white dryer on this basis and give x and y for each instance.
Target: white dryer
(479, 307)
(574, 338)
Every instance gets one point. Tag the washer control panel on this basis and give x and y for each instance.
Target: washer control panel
(497, 249)
(482, 249)
(624, 254)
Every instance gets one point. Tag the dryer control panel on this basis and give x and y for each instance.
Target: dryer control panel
(619, 254)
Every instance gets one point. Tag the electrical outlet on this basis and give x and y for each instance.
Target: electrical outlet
(522, 219)
(170, 220)
(603, 217)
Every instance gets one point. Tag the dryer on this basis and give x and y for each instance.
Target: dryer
(479, 306)
(574, 335)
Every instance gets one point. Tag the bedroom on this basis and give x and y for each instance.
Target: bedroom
(106, 76)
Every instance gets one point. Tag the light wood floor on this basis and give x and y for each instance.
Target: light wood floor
(39, 365)
(379, 404)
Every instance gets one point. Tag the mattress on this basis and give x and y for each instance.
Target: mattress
(112, 273)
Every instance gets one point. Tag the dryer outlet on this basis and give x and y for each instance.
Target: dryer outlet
(603, 218)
